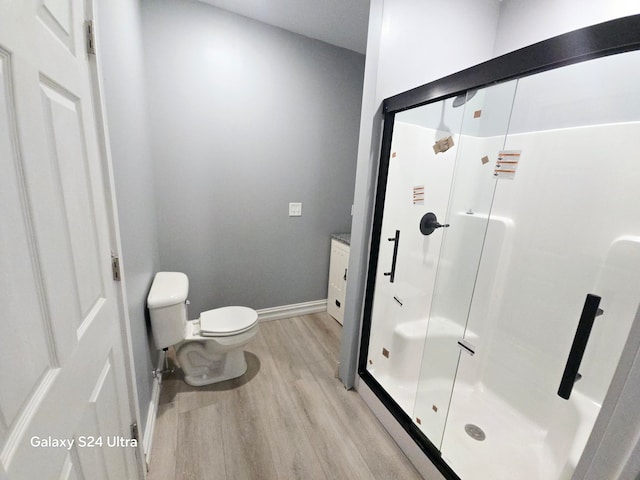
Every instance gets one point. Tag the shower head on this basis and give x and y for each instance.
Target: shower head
(463, 98)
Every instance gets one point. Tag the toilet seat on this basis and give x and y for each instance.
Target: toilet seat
(227, 321)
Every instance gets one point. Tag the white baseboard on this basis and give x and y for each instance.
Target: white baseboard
(147, 438)
(286, 311)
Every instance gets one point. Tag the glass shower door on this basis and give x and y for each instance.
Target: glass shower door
(420, 173)
(559, 280)
(482, 137)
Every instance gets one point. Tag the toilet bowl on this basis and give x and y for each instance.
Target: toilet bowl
(208, 349)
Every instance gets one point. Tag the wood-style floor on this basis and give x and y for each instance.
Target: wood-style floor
(287, 418)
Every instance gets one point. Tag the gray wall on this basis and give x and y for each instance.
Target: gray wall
(120, 56)
(246, 118)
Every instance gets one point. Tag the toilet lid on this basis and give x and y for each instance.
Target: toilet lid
(227, 321)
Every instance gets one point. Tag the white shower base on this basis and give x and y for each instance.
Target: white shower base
(507, 431)
(501, 455)
(402, 391)
(515, 446)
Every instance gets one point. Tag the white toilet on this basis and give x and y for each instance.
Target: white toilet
(208, 349)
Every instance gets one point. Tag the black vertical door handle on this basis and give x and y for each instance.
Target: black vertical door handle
(396, 241)
(570, 376)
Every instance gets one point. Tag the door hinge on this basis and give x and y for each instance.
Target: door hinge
(90, 37)
(115, 267)
(134, 432)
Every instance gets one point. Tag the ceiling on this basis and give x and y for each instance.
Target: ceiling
(338, 22)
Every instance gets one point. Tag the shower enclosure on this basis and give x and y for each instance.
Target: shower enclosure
(504, 274)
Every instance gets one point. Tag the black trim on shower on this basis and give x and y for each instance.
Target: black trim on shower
(411, 428)
(429, 449)
(383, 174)
(608, 38)
(396, 242)
(570, 375)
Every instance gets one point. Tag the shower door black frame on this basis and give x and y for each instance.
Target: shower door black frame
(608, 38)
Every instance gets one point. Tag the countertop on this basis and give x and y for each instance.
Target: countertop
(342, 237)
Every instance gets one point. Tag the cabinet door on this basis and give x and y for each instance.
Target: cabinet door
(337, 280)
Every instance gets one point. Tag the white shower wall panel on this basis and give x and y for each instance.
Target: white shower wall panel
(575, 211)
(567, 225)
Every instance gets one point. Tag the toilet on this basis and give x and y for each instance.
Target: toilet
(209, 349)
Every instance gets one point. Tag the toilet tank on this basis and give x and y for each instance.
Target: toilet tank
(167, 307)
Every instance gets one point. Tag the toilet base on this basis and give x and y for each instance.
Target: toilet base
(204, 368)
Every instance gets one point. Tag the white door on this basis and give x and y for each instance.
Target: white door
(64, 408)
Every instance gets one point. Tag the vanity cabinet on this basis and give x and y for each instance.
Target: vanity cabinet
(338, 267)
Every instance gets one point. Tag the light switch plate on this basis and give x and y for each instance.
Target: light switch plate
(295, 209)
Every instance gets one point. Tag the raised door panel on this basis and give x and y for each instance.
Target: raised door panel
(101, 427)
(26, 347)
(57, 15)
(62, 113)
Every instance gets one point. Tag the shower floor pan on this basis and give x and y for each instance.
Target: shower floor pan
(514, 446)
(402, 391)
(512, 442)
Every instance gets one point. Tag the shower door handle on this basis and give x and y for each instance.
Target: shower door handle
(570, 376)
(396, 241)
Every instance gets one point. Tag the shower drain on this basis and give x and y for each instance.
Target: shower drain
(474, 432)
